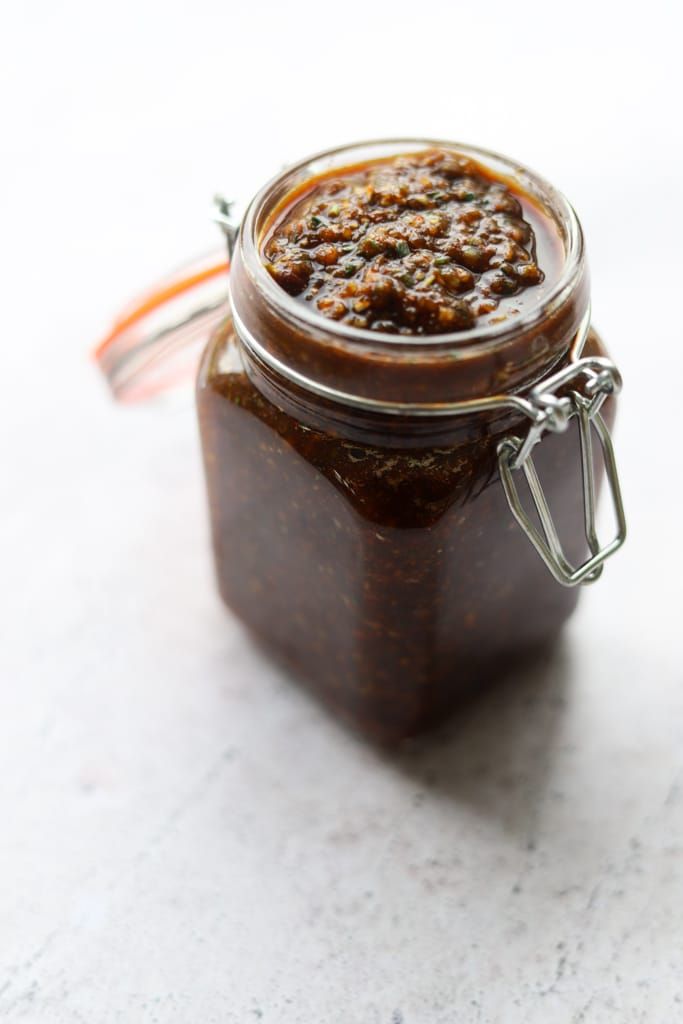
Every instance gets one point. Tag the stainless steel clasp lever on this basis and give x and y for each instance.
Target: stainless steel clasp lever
(578, 390)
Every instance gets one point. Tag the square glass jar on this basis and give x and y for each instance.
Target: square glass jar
(361, 528)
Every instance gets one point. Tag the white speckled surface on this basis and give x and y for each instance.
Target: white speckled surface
(185, 836)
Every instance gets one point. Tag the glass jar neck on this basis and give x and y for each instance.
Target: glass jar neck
(321, 361)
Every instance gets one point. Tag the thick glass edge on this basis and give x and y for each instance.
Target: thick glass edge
(459, 344)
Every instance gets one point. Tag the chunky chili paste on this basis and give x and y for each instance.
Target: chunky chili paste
(424, 243)
(372, 550)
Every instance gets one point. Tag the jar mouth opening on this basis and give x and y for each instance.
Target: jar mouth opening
(459, 344)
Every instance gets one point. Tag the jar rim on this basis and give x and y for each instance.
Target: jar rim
(461, 344)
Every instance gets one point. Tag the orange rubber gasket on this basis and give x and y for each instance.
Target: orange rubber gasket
(156, 298)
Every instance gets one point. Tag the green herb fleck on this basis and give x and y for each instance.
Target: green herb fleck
(402, 248)
(441, 261)
(350, 269)
(315, 222)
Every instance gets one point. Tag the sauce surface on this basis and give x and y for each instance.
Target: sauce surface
(420, 244)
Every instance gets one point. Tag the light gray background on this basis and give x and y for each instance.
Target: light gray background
(185, 837)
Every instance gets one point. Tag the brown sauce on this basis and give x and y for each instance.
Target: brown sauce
(373, 554)
(421, 244)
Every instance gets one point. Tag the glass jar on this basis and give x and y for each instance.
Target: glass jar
(379, 521)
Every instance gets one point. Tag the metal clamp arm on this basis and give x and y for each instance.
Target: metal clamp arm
(589, 381)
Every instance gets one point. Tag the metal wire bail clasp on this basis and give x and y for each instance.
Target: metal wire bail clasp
(578, 390)
(223, 216)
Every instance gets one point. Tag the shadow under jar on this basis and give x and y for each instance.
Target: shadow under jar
(361, 526)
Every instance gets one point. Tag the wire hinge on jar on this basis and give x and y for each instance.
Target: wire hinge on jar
(223, 216)
(578, 391)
